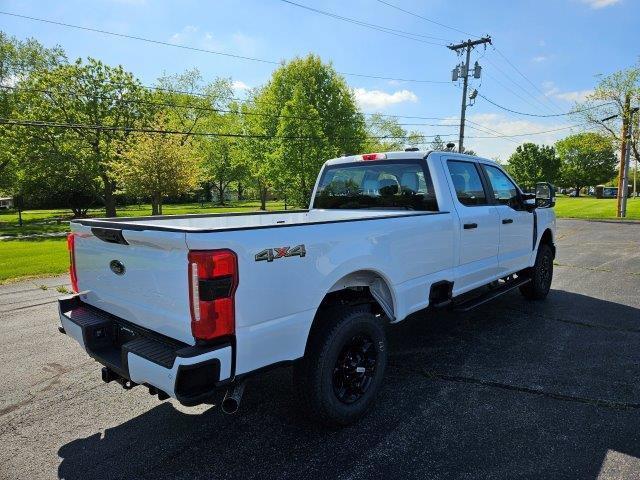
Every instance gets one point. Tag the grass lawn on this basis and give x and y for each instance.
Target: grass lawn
(57, 220)
(32, 258)
(24, 258)
(594, 208)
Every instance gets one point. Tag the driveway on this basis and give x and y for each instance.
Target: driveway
(515, 389)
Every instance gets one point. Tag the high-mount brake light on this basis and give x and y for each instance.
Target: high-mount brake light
(213, 279)
(71, 246)
(374, 156)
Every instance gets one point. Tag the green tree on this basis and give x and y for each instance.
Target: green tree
(323, 100)
(98, 104)
(437, 144)
(222, 157)
(532, 163)
(385, 134)
(257, 150)
(303, 149)
(609, 97)
(587, 159)
(157, 166)
(18, 60)
(189, 103)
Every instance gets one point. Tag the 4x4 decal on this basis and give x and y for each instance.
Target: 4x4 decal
(270, 254)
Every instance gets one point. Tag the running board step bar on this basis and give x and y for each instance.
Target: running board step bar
(490, 295)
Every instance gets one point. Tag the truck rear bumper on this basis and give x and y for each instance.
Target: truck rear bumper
(191, 374)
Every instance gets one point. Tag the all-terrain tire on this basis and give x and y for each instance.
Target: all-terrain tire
(343, 367)
(541, 275)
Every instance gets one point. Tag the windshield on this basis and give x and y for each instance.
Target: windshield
(403, 185)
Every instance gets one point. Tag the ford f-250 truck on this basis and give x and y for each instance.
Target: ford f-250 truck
(190, 306)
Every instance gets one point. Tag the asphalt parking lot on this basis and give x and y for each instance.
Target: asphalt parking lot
(512, 390)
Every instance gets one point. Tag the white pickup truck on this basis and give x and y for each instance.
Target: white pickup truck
(191, 306)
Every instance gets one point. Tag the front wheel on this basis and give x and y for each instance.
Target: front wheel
(342, 371)
(541, 275)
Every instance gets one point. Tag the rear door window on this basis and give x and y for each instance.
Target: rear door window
(393, 184)
(467, 184)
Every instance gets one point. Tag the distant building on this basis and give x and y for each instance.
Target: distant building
(6, 203)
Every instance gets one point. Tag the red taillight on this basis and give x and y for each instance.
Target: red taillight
(71, 246)
(374, 156)
(213, 279)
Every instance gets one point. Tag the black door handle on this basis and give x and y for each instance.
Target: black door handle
(469, 226)
(507, 220)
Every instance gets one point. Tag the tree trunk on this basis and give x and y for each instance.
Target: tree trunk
(155, 205)
(240, 192)
(263, 197)
(221, 190)
(578, 191)
(159, 205)
(109, 197)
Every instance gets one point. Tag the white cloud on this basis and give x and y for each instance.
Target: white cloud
(186, 33)
(540, 58)
(600, 3)
(551, 90)
(377, 99)
(239, 85)
(576, 96)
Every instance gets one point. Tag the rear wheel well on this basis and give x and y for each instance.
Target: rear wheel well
(363, 288)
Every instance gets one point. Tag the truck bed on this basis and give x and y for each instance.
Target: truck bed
(241, 221)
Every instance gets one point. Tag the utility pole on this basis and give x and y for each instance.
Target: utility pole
(463, 71)
(623, 150)
(627, 157)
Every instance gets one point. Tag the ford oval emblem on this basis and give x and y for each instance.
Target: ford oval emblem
(117, 267)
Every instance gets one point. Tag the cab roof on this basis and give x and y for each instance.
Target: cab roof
(398, 155)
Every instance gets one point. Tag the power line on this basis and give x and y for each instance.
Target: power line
(513, 92)
(540, 115)
(427, 19)
(541, 132)
(473, 35)
(380, 28)
(526, 78)
(205, 108)
(242, 100)
(202, 50)
(527, 92)
(84, 126)
(488, 130)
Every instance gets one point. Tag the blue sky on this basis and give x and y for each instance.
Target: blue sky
(559, 45)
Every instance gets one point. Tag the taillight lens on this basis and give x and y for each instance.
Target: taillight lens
(71, 246)
(374, 156)
(213, 279)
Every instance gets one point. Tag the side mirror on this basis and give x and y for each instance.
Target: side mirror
(545, 195)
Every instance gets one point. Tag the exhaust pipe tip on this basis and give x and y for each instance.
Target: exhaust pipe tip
(230, 406)
(232, 398)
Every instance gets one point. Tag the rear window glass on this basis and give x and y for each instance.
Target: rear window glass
(380, 185)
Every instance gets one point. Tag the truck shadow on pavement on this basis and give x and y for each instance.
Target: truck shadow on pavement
(514, 389)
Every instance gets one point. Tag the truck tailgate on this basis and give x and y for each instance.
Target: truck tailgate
(142, 280)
